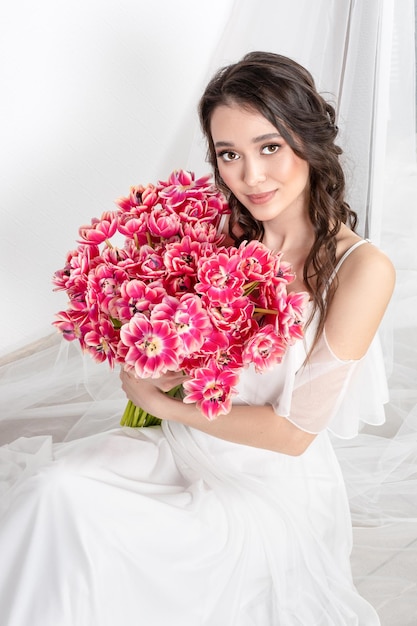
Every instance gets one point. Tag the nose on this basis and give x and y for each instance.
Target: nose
(253, 173)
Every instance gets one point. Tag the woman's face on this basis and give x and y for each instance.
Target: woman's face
(257, 164)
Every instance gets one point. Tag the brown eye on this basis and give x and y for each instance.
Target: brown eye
(228, 156)
(271, 149)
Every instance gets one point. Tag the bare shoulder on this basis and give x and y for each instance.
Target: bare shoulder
(365, 283)
(365, 263)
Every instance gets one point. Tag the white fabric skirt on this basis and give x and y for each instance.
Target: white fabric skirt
(168, 525)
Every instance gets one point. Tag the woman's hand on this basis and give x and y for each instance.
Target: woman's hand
(168, 381)
(136, 389)
(267, 430)
(144, 392)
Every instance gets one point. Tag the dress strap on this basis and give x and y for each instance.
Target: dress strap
(222, 222)
(345, 256)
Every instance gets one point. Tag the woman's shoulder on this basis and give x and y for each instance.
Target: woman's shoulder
(357, 255)
(365, 282)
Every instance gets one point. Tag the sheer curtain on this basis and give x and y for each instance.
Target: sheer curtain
(123, 113)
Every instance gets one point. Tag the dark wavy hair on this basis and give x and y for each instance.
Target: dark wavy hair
(285, 94)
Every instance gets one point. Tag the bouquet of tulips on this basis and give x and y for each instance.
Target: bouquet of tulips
(172, 296)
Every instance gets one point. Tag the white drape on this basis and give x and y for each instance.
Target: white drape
(101, 95)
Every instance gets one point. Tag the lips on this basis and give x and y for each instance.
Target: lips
(261, 198)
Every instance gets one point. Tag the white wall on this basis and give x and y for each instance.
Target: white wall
(96, 95)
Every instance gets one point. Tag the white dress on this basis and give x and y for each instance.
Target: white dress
(168, 525)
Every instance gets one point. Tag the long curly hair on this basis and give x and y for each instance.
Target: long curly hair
(284, 92)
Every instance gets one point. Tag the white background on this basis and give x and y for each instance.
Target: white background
(96, 96)
(99, 95)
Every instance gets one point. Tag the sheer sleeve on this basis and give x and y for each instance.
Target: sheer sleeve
(328, 392)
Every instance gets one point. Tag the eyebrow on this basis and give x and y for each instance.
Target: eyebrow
(267, 137)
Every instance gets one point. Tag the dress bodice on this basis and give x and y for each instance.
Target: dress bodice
(324, 392)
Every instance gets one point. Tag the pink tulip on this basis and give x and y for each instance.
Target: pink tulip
(99, 230)
(221, 278)
(102, 341)
(189, 317)
(264, 349)
(153, 347)
(163, 222)
(212, 390)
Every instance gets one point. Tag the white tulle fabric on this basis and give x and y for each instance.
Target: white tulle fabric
(324, 392)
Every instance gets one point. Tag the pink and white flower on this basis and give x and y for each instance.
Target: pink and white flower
(220, 277)
(211, 390)
(101, 342)
(99, 230)
(264, 349)
(135, 297)
(150, 263)
(153, 347)
(72, 325)
(189, 318)
(164, 222)
(134, 227)
(233, 318)
(182, 186)
(202, 232)
(257, 262)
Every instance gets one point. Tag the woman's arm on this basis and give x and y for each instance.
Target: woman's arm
(366, 282)
(256, 426)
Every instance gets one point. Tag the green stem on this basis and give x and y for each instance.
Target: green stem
(249, 287)
(135, 417)
(265, 311)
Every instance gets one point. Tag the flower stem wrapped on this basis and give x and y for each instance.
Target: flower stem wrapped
(135, 417)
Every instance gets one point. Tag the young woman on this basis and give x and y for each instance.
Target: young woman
(243, 520)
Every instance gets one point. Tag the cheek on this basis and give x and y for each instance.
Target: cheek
(300, 170)
(294, 175)
(226, 175)
(304, 178)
